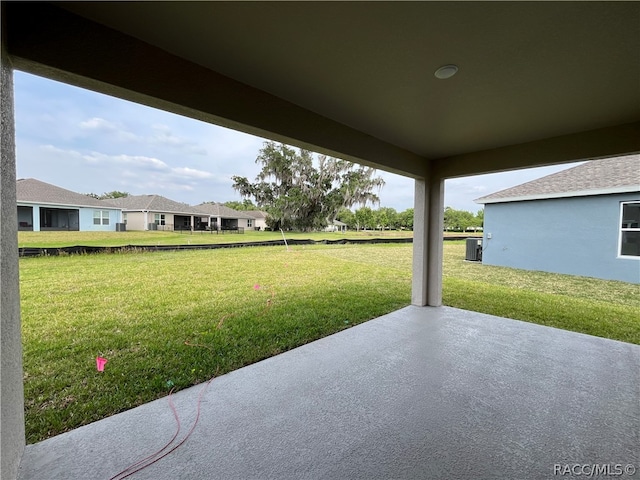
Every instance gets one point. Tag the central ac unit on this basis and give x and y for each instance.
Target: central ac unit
(474, 250)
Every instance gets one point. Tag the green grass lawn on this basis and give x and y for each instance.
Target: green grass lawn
(168, 319)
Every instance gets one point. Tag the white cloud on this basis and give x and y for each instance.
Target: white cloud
(165, 137)
(97, 123)
(139, 161)
(478, 188)
(102, 126)
(191, 172)
(159, 137)
(60, 151)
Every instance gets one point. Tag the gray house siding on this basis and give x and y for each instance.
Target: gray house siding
(576, 236)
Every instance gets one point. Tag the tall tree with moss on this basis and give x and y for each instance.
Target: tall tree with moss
(298, 195)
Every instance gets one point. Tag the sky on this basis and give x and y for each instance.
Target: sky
(93, 143)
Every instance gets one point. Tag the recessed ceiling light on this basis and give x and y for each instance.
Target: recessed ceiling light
(446, 71)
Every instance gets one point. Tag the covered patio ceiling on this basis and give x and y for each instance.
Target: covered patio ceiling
(538, 82)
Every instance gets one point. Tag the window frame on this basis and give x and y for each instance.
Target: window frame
(160, 219)
(101, 217)
(622, 229)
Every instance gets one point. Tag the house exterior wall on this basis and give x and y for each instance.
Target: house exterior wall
(169, 220)
(135, 220)
(85, 217)
(86, 220)
(141, 220)
(244, 223)
(259, 222)
(576, 236)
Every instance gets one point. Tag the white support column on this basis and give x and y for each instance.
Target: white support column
(420, 243)
(12, 436)
(427, 242)
(36, 218)
(434, 254)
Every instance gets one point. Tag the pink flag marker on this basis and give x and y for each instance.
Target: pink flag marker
(256, 287)
(100, 363)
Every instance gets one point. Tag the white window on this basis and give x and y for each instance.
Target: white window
(630, 229)
(249, 223)
(160, 220)
(124, 218)
(101, 217)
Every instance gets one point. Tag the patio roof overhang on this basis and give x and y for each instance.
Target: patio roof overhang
(538, 83)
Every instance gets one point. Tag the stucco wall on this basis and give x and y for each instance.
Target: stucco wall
(12, 439)
(577, 236)
(169, 220)
(86, 220)
(135, 221)
(242, 223)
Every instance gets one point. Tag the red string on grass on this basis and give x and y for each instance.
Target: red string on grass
(128, 471)
(158, 455)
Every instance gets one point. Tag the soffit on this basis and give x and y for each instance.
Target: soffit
(528, 71)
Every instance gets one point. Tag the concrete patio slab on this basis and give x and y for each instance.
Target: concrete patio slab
(421, 393)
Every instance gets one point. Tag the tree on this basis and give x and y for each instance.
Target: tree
(115, 194)
(364, 218)
(458, 220)
(346, 216)
(406, 219)
(108, 195)
(386, 217)
(246, 204)
(480, 218)
(297, 195)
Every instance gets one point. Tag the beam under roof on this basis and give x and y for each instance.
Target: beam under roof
(51, 42)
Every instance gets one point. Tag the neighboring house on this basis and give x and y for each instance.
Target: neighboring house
(225, 218)
(581, 221)
(336, 226)
(155, 212)
(43, 207)
(260, 217)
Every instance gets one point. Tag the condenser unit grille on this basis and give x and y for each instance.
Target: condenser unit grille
(474, 250)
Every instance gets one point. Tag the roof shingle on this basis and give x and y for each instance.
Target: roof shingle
(153, 203)
(30, 190)
(595, 177)
(257, 214)
(219, 210)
